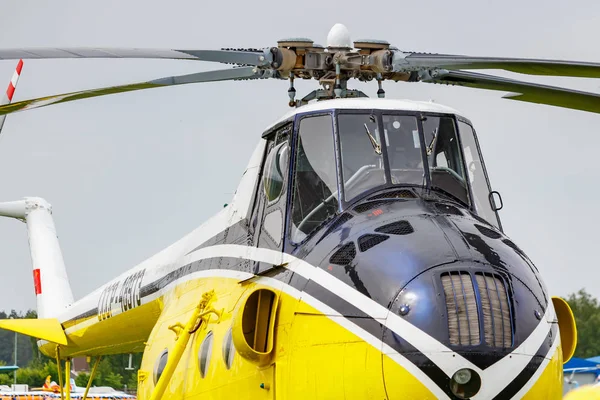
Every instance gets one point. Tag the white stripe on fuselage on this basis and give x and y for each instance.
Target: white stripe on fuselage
(540, 369)
(328, 312)
(494, 378)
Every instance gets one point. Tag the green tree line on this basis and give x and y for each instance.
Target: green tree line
(586, 310)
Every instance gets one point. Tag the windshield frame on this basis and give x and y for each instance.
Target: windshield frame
(379, 113)
(292, 171)
(465, 120)
(455, 119)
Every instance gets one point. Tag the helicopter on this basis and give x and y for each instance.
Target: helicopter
(361, 257)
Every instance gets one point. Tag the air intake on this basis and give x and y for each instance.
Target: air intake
(396, 194)
(497, 321)
(344, 255)
(461, 306)
(365, 242)
(371, 205)
(396, 228)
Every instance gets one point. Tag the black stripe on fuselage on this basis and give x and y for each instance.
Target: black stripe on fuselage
(377, 329)
(346, 309)
(86, 315)
(215, 263)
(530, 369)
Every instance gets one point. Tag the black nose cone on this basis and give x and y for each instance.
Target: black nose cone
(439, 266)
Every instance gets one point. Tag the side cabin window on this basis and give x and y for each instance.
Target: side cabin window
(275, 166)
(444, 156)
(477, 177)
(315, 182)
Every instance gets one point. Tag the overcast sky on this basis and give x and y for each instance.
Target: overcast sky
(129, 174)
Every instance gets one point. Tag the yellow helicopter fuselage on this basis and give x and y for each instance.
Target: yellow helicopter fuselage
(314, 353)
(314, 284)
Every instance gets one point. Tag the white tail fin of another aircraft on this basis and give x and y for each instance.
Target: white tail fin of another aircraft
(52, 288)
(10, 91)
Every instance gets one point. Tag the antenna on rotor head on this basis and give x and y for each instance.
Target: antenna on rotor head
(339, 38)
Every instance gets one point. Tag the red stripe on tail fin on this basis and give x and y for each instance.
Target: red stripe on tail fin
(37, 281)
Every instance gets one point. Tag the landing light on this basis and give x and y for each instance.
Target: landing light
(462, 376)
(465, 383)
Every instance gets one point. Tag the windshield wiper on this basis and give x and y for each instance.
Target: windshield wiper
(430, 147)
(374, 143)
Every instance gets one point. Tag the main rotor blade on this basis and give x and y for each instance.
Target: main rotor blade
(406, 61)
(523, 91)
(10, 90)
(208, 76)
(260, 58)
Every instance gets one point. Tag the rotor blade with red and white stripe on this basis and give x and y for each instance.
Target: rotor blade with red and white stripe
(10, 91)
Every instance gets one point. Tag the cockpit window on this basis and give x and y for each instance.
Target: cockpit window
(362, 161)
(275, 166)
(378, 149)
(315, 183)
(477, 178)
(404, 149)
(444, 157)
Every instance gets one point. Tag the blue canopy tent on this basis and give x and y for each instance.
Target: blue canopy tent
(580, 364)
(580, 371)
(594, 359)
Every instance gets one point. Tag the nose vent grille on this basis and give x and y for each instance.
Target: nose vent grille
(344, 255)
(365, 242)
(461, 305)
(398, 194)
(370, 205)
(396, 228)
(497, 327)
(468, 321)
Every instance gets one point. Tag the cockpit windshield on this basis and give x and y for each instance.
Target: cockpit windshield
(362, 160)
(380, 149)
(390, 151)
(315, 197)
(404, 149)
(444, 157)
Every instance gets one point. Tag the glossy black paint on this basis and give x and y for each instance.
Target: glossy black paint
(404, 269)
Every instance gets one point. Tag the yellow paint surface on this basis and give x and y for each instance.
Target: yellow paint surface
(314, 357)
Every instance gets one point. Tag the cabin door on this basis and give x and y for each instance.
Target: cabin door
(268, 219)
